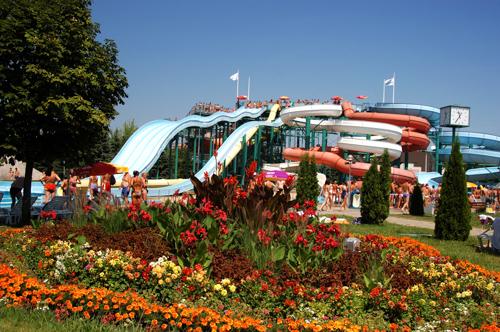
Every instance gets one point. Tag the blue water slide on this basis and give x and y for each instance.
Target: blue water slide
(144, 147)
(476, 148)
(432, 114)
(222, 153)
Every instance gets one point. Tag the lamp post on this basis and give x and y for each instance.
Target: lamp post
(349, 162)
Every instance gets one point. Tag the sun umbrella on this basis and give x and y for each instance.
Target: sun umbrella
(242, 97)
(362, 97)
(100, 168)
(276, 175)
(471, 185)
(284, 97)
(336, 98)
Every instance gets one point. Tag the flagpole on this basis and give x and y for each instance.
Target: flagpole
(383, 96)
(393, 86)
(248, 88)
(238, 85)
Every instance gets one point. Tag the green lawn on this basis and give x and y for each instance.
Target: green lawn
(21, 320)
(456, 249)
(474, 218)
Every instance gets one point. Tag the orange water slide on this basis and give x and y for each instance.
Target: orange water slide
(358, 169)
(415, 128)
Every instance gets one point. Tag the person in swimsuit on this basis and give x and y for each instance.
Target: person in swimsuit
(333, 193)
(50, 185)
(343, 196)
(137, 186)
(93, 187)
(125, 185)
(144, 177)
(106, 186)
(406, 187)
(326, 195)
(74, 180)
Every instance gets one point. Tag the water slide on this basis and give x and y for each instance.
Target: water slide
(386, 129)
(145, 146)
(477, 148)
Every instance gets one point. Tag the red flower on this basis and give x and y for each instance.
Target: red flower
(198, 267)
(250, 171)
(289, 180)
(221, 215)
(206, 176)
(187, 271)
(301, 240)
(48, 215)
(223, 228)
(177, 192)
(87, 209)
(216, 153)
(232, 180)
(375, 292)
(206, 208)
(264, 287)
(261, 234)
(267, 214)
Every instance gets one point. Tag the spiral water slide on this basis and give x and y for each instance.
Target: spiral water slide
(386, 129)
(477, 148)
(145, 146)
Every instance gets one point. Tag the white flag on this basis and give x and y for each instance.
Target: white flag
(235, 76)
(389, 82)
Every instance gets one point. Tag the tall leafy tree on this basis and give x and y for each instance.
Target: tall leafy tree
(453, 214)
(372, 197)
(59, 85)
(385, 180)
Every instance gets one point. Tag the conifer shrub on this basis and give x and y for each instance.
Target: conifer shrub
(385, 181)
(373, 202)
(453, 214)
(307, 182)
(416, 202)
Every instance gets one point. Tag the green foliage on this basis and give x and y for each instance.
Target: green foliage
(307, 183)
(59, 84)
(453, 211)
(385, 180)
(416, 201)
(373, 202)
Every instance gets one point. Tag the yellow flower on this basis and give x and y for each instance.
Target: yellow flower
(101, 274)
(160, 282)
(223, 292)
(168, 280)
(432, 303)
(232, 288)
(217, 287)
(489, 286)
(225, 281)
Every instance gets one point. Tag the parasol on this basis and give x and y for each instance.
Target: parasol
(284, 97)
(100, 168)
(242, 97)
(362, 97)
(276, 175)
(471, 185)
(337, 98)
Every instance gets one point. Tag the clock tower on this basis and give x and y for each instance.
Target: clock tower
(455, 117)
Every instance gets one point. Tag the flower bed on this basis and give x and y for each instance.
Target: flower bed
(240, 258)
(292, 300)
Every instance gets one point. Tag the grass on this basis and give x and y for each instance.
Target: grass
(455, 249)
(474, 220)
(22, 320)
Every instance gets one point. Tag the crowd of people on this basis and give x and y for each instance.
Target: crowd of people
(208, 108)
(335, 195)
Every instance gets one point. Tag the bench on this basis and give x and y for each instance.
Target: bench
(478, 206)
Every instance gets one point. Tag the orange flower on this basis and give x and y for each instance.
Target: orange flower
(86, 315)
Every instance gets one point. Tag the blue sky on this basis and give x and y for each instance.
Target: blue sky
(179, 52)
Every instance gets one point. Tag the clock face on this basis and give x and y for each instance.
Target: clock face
(459, 116)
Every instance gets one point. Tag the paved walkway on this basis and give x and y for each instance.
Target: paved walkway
(395, 218)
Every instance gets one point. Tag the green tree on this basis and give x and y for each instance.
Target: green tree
(307, 183)
(118, 138)
(59, 85)
(453, 214)
(416, 201)
(373, 202)
(385, 181)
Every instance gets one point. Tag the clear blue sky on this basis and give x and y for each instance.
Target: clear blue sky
(179, 52)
